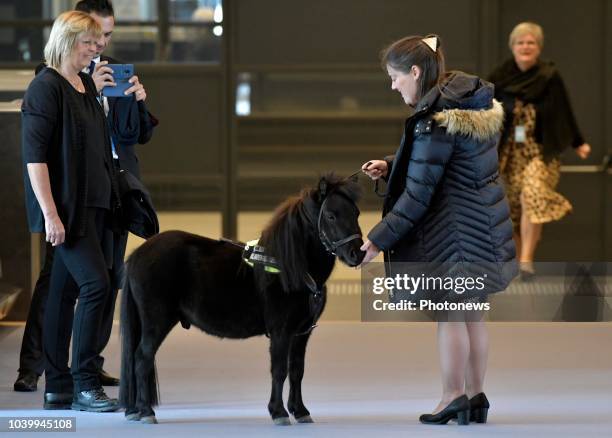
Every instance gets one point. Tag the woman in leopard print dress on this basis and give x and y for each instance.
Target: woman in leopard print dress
(539, 125)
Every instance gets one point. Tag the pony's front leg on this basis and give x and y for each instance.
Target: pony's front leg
(279, 352)
(296, 373)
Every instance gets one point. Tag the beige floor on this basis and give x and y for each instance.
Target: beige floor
(362, 380)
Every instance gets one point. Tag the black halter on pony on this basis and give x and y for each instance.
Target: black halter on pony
(332, 245)
(302, 216)
(256, 254)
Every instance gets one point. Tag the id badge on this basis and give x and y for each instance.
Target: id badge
(520, 135)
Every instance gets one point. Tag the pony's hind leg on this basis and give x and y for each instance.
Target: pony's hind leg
(153, 334)
(279, 352)
(297, 353)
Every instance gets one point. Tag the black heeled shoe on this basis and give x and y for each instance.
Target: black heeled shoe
(527, 276)
(458, 408)
(479, 408)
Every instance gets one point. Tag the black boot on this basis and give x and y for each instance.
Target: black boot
(57, 400)
(458, 408)
(94, 400)
(106, 379)
(27, 381)
(479, 408)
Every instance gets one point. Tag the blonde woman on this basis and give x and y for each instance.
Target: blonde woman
(69, 195)
(539, 126)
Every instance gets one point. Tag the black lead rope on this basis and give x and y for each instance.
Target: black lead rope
(316, 295)
(380, 195)
(355, 176)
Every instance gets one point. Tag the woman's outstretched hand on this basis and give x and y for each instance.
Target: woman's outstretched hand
(371, 251)
(583, 150)
(375, 169)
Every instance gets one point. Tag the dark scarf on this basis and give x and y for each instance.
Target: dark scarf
(542, 86)
(124, 119)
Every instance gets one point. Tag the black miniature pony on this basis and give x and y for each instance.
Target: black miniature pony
(181, 277)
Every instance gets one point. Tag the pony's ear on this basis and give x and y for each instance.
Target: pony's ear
(322, 188)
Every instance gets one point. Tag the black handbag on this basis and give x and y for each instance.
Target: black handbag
(138, 215)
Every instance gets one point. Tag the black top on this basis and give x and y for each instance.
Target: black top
(56, 129)
(98, 181)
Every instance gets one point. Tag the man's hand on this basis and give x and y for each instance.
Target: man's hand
(103, 76)
(137, 89)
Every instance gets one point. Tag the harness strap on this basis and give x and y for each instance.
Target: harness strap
(252, 254)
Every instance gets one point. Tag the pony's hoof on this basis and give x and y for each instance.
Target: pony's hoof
(305, 419)
(282, 421)
(135, 416)
(149, 419)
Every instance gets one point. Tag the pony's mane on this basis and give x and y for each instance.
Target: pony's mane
(284, 237)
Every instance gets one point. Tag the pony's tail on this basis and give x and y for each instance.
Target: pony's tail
(130, 338)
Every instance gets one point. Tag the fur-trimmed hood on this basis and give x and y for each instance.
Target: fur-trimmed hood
(464, 105)
(479, 124)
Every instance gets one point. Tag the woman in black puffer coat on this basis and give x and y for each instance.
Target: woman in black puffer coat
(445, 208)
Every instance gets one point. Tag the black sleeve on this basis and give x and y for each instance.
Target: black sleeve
(147, 123)
(562, 103)
(40, 112)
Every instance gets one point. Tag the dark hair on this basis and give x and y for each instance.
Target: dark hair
(412, 50)
(103, 8)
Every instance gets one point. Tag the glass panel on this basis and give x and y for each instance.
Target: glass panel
(195, 44)
(133, 44)
(15, 9)
(41, 9)
(205, 11)
(132, 10)
(135, 10)
(24, 44)
(335, 92)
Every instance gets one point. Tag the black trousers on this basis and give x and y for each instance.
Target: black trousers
(84, 261)
(31, 358)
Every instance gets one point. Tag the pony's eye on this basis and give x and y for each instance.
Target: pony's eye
(331, 217)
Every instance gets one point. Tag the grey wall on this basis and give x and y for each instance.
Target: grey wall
(184, 163)
(16, 253)
(321, 102)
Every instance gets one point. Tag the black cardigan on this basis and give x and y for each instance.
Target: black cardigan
(53, 133)
(130, 123)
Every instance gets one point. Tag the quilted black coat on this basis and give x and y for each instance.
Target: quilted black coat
(445, 201)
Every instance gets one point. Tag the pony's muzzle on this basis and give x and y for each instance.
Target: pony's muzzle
(351, 254)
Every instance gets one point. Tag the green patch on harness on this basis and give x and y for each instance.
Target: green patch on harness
(255, 254)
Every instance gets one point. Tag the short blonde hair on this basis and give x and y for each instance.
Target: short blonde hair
(526, 28)
(67, 28)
